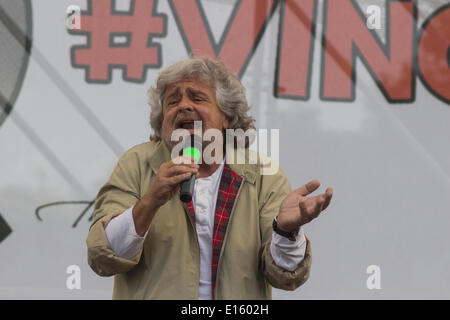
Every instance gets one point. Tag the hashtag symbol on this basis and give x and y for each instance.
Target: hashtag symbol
(103, 25)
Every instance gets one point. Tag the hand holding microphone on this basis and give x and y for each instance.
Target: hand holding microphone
(174, 175)
(169, 178)
(178, 174)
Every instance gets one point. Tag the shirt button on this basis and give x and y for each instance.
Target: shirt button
(202, 210)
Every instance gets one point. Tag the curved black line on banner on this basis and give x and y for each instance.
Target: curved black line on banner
(89, 205)
(26, 41)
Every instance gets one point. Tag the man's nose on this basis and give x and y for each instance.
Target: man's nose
(185, 104)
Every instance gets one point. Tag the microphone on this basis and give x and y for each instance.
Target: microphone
(192, 147)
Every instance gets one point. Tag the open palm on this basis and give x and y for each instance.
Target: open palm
(297, 208)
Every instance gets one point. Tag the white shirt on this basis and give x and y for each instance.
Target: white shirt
(204, 201)
(125, 242)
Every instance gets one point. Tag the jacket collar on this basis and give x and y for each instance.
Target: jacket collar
(248, 171)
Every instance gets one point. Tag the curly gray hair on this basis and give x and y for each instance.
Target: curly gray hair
(230, 93)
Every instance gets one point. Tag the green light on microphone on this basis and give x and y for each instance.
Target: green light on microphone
(193, 152)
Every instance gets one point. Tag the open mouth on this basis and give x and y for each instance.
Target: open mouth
(186, 124)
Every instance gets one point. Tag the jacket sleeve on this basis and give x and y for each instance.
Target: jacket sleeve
(119, 193)
(273, 190)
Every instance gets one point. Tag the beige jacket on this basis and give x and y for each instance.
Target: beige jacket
(167, 265)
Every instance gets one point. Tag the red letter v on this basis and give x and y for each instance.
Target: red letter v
(244, 29)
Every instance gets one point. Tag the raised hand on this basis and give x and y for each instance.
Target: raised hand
(297, 208)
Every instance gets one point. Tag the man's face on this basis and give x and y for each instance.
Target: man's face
(187, 101)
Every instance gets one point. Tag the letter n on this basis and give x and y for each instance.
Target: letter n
(346, 37)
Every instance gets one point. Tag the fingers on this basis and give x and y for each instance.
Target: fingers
(324, 199)
(178, 165)
(168, 179)
(308, 188)
(177, 174)
(176, 180)
(328, 195)
(312, 207)
(182, 160)
(181, 169)
(177, 170)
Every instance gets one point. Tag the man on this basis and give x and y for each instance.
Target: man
(223, 244)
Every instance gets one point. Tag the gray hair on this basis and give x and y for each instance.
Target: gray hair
(230, 93)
